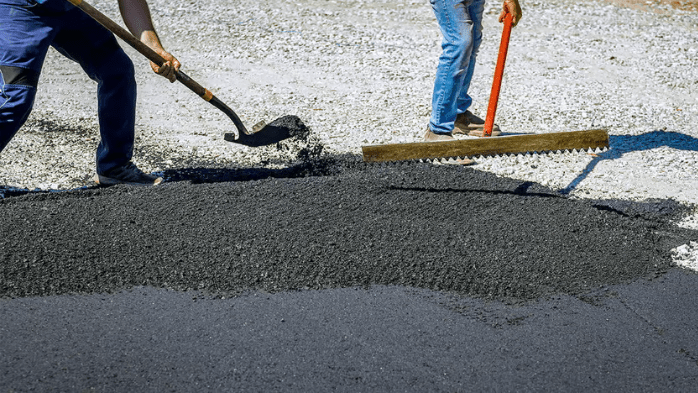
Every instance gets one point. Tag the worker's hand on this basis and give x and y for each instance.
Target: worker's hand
(511, 7)
(168, 69)
(136, 15)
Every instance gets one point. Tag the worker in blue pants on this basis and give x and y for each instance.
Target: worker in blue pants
(29, 27)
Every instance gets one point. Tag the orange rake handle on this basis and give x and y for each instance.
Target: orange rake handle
(498, 74)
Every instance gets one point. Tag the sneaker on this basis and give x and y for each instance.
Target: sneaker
(469, 124)
(431, 136)
(127, 174)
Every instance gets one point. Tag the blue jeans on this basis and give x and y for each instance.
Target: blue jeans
(27, 29)
(460, 22)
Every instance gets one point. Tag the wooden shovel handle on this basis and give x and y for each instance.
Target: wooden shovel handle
(138, 45)
(153, 56)
(498, 74)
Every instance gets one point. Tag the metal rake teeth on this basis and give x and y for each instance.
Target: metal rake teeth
(528, 154)
(438, 160)
(556, 143)
(453, 160)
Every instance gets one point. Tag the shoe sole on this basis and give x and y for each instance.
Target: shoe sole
(108, 181)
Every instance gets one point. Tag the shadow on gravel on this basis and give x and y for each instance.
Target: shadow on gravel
(325, 166)
(6, 192)
(313, 166)
(522, 189)
(621, 144)
(309, 157)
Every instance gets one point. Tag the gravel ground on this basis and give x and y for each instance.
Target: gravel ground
(361, 72)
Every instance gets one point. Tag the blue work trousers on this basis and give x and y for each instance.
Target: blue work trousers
(27, 29)
(461, 26)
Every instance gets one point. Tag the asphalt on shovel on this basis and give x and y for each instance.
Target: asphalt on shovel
(261, 135)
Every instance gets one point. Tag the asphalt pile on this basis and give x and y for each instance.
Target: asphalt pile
(441, 227)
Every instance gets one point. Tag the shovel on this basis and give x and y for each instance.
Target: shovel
(261, 133)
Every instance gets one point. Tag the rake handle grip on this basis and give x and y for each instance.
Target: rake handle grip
(498, 74)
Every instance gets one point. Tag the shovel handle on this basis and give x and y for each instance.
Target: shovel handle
(138, 45)
(153, 56)
(498, 74)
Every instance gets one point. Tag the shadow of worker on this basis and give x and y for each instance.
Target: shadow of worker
(621, 144)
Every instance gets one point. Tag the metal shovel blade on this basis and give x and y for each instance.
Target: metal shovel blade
(268, 134)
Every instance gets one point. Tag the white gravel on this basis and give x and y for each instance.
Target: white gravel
(361, 72)
(686, 255)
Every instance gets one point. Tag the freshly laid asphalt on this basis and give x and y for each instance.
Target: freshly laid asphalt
(408, 277)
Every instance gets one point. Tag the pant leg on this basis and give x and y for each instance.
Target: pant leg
(477, 9)
(25, 36)
(98, 53)
(457, 28)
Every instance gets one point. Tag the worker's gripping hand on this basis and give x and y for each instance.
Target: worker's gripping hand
(511, 7)
(136, 15)
(169, 68)
(171, 65)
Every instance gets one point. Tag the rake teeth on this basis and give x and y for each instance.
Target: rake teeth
(505, 146)
(454, 159)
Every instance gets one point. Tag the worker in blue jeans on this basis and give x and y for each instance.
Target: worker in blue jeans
(29, 27)
(460, 22)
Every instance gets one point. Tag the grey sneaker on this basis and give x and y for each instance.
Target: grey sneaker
(431, 136)
(469, 124)
(127, 174)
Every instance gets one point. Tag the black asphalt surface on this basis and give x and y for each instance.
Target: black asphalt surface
(638, 337)
(335, 275)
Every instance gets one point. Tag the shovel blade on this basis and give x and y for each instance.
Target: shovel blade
(268, 134)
